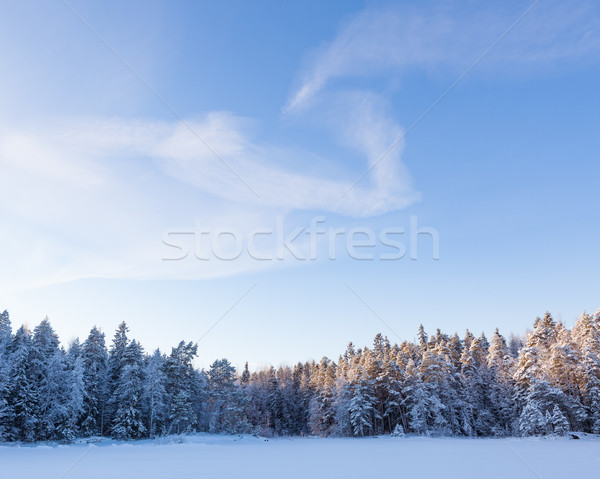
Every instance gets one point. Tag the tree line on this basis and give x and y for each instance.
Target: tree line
(545, 383)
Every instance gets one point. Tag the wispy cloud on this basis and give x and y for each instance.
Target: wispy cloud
(262, 166)
(100, 193)
(399, 38)
(89, 154)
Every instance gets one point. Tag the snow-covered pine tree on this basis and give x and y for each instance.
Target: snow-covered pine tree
(479, 379)
(501, 367)
(299, 398)
(245, 377)
(155, 394)
(422, 337)
(114, 364)
(586, 334)
(361, 409)
(393, 413)
(94, 359)
(181, 387)
(434, 377)
(5, 333)
(76, 388)
(358, 376)
(417, 400)
(51, 401)
(532, 421)
(226, 400)
(256, 394)
(373, 382)
(5, 343)
(322, 403)
(60, 416)
(23, 392)
(558, 421)
(128, 422)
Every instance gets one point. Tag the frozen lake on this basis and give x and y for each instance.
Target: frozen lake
(209, 456)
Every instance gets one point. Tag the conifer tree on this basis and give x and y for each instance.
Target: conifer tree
(559, 422)
(94, 359)
(127, 422)
(5, 343)
(226, 401)
(181, 388)
(155, 398)
(115, 365)
(23, 392)
(245, 378)
(51, 402)
(63, 400)
(532, 421)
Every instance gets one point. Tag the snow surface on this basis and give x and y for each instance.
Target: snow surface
(212, 456)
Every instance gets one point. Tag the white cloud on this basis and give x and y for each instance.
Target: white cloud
(94, 197)
(398, 38)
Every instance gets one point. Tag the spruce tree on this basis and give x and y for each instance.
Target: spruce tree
(5, 344)
(94, 360)
(115, 365)
(559, 422)
(23, 392)
(181, 388)
(128, 422)
(51, 402)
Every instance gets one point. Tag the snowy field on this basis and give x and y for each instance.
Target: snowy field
(248, 457)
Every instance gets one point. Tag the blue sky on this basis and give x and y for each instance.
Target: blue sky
(298, 101)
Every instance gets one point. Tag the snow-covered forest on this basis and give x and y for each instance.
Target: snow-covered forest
(547, 383)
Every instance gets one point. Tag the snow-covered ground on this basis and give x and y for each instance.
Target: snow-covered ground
(209, 456)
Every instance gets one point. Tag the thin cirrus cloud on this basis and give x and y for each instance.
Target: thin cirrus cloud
(85, 155)
(183, 157)
(93, 198)
(396, 39)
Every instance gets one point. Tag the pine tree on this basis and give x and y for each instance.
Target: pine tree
(115, 364)
(127, 422)
(587, 336)
(361, 409)
(422, 337)
(300, 397)
(501, 384)
(322, 404)
(181, 388)
(245, 378)
(417, 400)
(394, 383)
(59, 418)
(559, 422)
(5, 333)
(226, 400)
(5, 344)
(51, 400)
(532, 421)
(23, 393)
(275, 403)
(155, 396)
(94, 360)
(76, 388)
